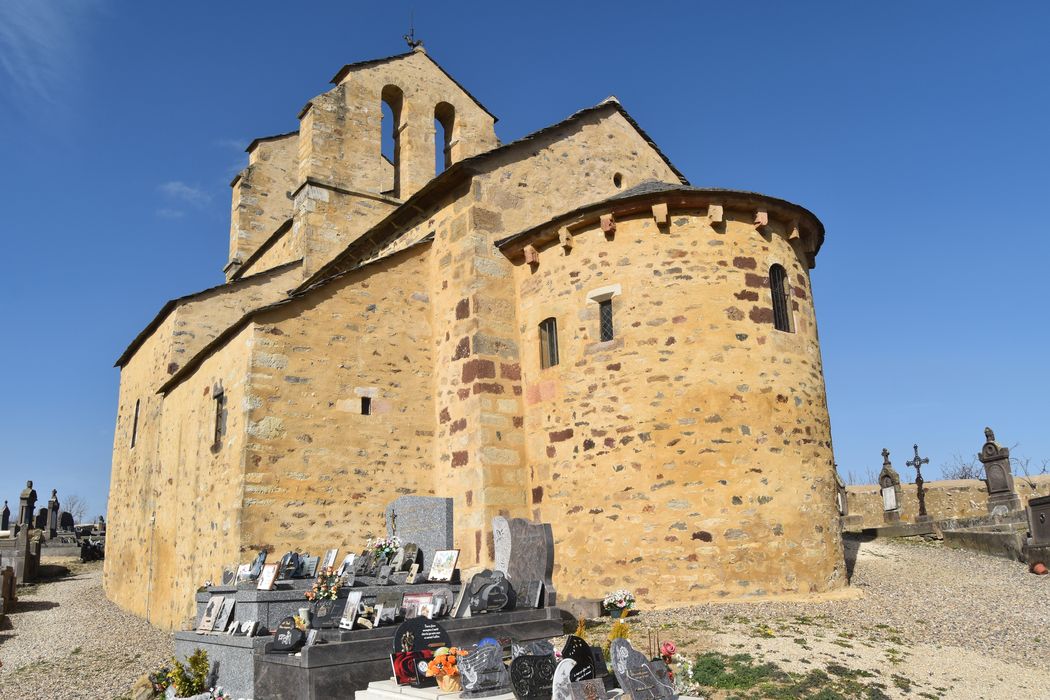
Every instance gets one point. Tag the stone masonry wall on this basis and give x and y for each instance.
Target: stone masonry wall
(953, 498)
(690, 457)
(261, 199)
(319, 474)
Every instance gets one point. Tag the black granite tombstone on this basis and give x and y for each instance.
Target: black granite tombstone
(579, 651)
(41, 520)
(409, 556)
(288, 637)
(540, 647)
(66, 522)
(532, 677)
(483, 673)
(420, 633)
(490, 592)
(525, 552)
(327, 613)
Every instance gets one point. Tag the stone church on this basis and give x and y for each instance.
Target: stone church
(560, 328)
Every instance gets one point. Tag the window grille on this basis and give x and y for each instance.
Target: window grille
(135, 424)
(605, 319)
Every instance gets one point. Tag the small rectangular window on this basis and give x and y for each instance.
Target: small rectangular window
(135, 424)
(781, 304)
(220, 418)
(605, 319)
(548, 343)
(366, 405)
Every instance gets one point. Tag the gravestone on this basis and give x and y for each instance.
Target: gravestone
(65, 521)
(26, 504)
(52, 514)
(890, 483)
(1039, 521)
(540, 647)
(5, 518)
(483, 673)
(423, 520)
(525, 552)
(288, 637)
(41, 519)
(1002, 498)
(532, 677)
(560, 686)
(489, 592)
(580, 652)
(420, 634)
(640, 678)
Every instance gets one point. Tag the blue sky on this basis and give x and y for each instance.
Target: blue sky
(916, 131)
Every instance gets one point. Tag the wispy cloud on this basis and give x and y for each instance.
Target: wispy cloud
(232, 144)
(180, 195)
(39, 42)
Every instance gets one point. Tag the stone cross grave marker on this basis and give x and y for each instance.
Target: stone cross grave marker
(424, 520)
(920, 491)
(890, 483)
(525, 552)
(1002, 498)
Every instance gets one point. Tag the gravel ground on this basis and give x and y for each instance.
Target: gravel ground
(928, 619)
(923, 621)
(66, 641)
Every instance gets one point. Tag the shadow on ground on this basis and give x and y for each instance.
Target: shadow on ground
(851, 542)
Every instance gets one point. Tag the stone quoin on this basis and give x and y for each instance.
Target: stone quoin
(559, 328)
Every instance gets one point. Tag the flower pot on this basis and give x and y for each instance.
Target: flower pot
(449, 684)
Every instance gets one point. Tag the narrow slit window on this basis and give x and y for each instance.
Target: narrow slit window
(220, 418)
(135, 424)
(366, 405)
(781, 308)
(605, 320)
(548, 343)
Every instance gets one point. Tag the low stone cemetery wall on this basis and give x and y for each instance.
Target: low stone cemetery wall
(957, 498)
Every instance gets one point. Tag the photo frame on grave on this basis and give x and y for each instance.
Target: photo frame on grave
(443, 600)
(229, 576)
(391, 602)
(413, 573)
(268, 577)
(328, 561)
(410, 556)
(350, 610)
(443, 566)
(222, 620)
(211, 612)
(244, 574)
(412, 603)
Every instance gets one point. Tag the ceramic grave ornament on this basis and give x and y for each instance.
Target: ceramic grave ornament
(579, 651)
(532, 677)
(483, 673)
(560, 686)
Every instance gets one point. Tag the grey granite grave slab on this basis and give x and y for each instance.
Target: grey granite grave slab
(231, 656)
(424, 520)
(340, 668)
(525, 552)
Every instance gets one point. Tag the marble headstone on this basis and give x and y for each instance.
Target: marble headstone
(525, 551)
(532, 677)
(483, 673)
(560, 686)
(424, 520)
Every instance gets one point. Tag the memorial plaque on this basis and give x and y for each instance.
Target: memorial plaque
(351, 609)
(483, 673)
(579, 651)
(327, 613)
(347, 567)
(229, 577)
(329, 558)
(391, 602)
(211, 612)
(413, 572)
(409, 556)
(309, 569)
(560, 689)
(222, 620)
(444, 598)
(419, 634)
(645, 683)
(461, 608)
(889, 498)
(268, 577)
(412, 604)
(383, 577)
(525, 552)
(489, 592)
(601, 669)
(364, 562)
(244, 573)
(532, 677)
(624, 657)
(593, 689)
(410, 668)
(257, 565)
(288, 637)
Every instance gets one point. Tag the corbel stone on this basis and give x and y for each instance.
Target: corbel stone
(795, 233)
(532, 256)
(761, 219)
(608, 223)
(564, 237)
(715, 213)
(660, 213)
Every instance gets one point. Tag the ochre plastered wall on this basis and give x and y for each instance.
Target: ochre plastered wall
(952, 498)
(690, 457)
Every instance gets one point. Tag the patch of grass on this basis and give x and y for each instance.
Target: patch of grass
(902, 682)
(747, 678)
(736, 672)
(76, 650)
